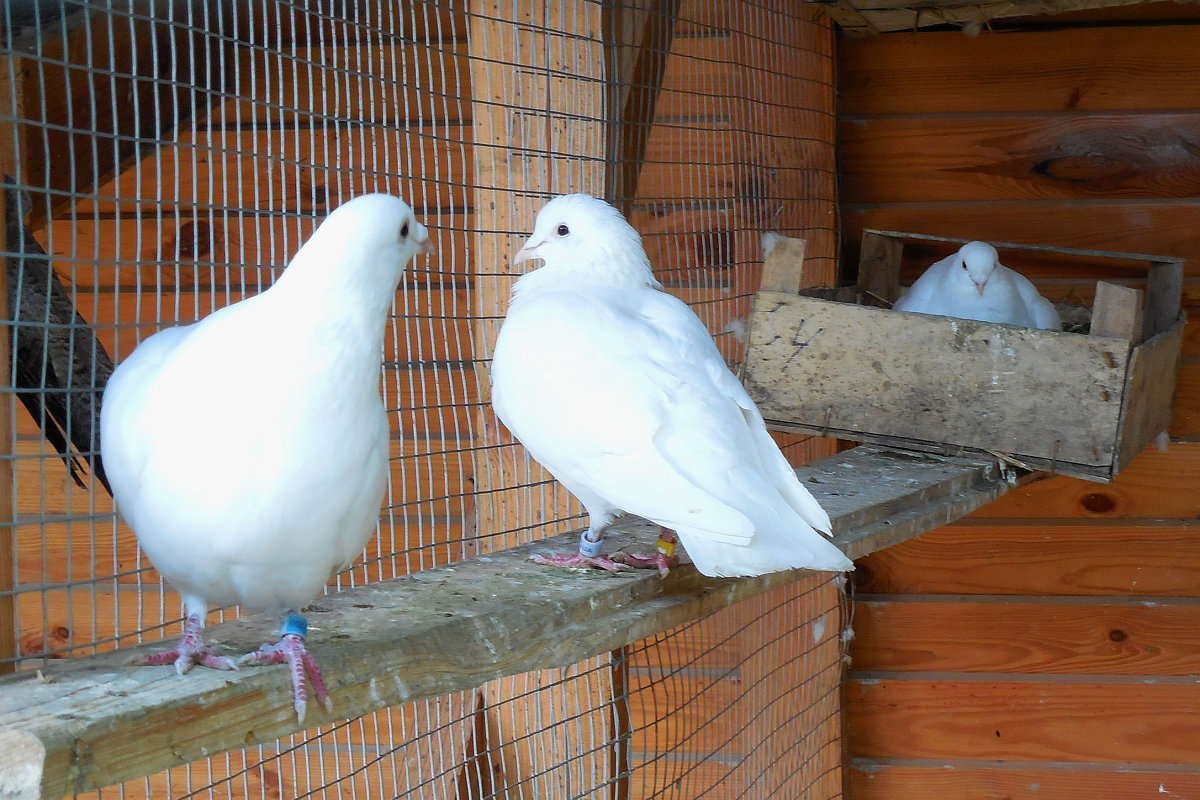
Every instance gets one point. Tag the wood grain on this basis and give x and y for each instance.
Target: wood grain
(1155, 486)
(1104, 723)
(1096, 69)
(873, 780)
(859, 370)
(1020, 157)
(1041, 558)
(896, 635)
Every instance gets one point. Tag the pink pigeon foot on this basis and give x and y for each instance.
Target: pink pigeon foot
(662, 560)
(290, 648)
(190, 651)
(588, 556)
(576, 560)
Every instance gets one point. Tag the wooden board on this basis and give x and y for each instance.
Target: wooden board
(442, 630)
(1136, 720)
(1149, 395)
(898, 633)
(873, 780)
(1005, 559)
(1020, 157)
(866, 17)
(1156, 486)
(1045, 397)
(1077, 70)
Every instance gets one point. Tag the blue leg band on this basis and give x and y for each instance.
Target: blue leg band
(295, 623)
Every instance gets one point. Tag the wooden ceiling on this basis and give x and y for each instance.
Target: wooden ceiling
(868, 17)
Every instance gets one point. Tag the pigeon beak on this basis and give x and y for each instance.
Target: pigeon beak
(979, 287)
(424, 240)
(527, 253)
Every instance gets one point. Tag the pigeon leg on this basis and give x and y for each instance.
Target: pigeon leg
(290, 648)
(190, 651)
(588, 556)
(662, 560)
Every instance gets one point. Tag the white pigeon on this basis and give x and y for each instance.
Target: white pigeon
(973, 284)
(618, 390)
(249, 451)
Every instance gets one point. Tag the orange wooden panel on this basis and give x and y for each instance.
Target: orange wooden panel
(657, 775)
(1039, 559)
(1186, 421)
(385, 84)
(1075, 70)
(1157, 485)
(192, 250)
(295, 169)
(1141, 639)
(1065, 720)
(871, 781)
(1019, 157)
(684, 710)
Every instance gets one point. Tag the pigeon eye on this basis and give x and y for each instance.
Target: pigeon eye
(562, 230)
(964, 265)
(404, 230)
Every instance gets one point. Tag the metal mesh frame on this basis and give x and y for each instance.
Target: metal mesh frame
(174, 155)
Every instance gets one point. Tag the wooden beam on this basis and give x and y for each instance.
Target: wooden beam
(639, 43)
(94, 721)
(867, 17)
(8, 612)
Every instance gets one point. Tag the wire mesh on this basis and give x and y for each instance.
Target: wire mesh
(165, 160)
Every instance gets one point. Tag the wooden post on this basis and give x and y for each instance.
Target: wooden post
(784, 110)
(8, 613)
(538, 91)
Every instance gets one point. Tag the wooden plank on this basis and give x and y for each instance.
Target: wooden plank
(1035, 394)
(870, 17)
(480, 619)
(139, 98)
(1154, 486)
(1162, 225)
(783, 263)
(1020, 157)
(1112, 559)
(1099, 723)
(8, 612)
(895, 635)
(218, 252)
(1086, 69)
(1026, 781)
(638, 56)
(1117, 312)
(385, 84)
(304, 169)
(879, 267)
(1186, 420)
(1149, 393)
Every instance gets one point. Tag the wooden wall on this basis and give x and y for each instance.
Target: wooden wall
(1046, 646)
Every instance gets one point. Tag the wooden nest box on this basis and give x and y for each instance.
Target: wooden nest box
(1071, 403)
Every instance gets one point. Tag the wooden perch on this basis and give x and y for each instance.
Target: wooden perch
(94, 721)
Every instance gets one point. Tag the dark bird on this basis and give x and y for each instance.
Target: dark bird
(59, 367)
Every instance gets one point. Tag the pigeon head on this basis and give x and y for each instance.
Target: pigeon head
(587, 238)
(979, 260)
(377, 222)
(360, 250)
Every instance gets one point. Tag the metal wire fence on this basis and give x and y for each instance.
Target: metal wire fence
(163, 160)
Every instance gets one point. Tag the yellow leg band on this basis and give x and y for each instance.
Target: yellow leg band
(665, 547)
